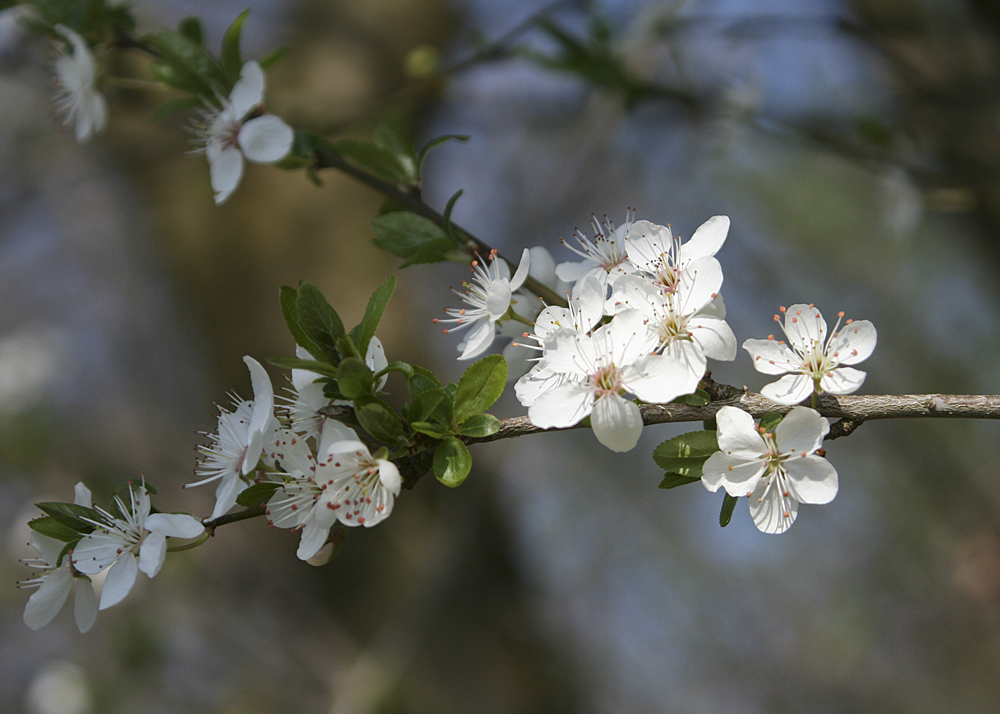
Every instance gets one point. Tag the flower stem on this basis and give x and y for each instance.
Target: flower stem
(144, 85)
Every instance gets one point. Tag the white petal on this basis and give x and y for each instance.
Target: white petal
(790, 389)
(479, 340)
(96, 551)
(535, 383)
(119, 582)
(690, 355)
(628, 337)
(85, 604)
(571, 271)
(263, 396)
(175, 525)
(375, 358)
(543, 267)
(801, 431)
(82, 495)
(498, 294)
(265, 139)
(522, 270)
(738, 434)
(854, 342)
(714, 336)
(736, 475)
(843, 380)
(248, 92)
(812, 479)
(225, 494)
(771, 357)
(226, 170)
(152, 552)
(315, 532)
(660, 378)
(617, 422)
(646, 243)
(561, 407)
(707, 240)
(334, 432)
(701, 281)
(48, 548)
(388, 476)
(46, 602)
(805, 326)
(771, 512)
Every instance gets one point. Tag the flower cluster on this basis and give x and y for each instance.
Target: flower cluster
(645, 314)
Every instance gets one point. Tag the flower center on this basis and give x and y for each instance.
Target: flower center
(607, 380)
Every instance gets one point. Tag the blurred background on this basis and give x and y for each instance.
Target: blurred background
(855, 144)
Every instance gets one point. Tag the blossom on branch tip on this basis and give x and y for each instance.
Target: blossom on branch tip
(604, 256)
(775, 470)
(488, 297)
(238, 443)
(673, 265)
(239, 130)
(115, 541)
(813, 359)
(76, 96)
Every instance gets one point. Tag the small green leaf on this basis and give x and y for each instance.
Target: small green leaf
(319, 320)
(452, 462)
(481, 384)
(71, 515)
(436, 142)
(726, 515)
(770, 420)
(672, 480)
(257, 493)
(403, 233)
(479, 425)
(347, 347)
(185, 64)
(272, 58)
(324, 368)
(375, 159)
(49, 526)
(698, 399)
(378, 419)
(424, 404)
(422, 380)
(289, 297)
(191, 28)
(433, 251)
(354, 378)
(687, 453)
(176, 105)
(396, 366)
(232, 60)
(435, 431)
(373, 313)
(387, 138)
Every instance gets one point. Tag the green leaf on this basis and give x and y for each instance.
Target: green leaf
(232, 60)
(319, 320)
(435, 431)
(770, 420)
(434, 143)
(191, 28)
(479, 425)
(289, 297)
(355, 378)
(176, 105)
(324, 368)
(423, 405)
(387, 138)
(726, 514)
(422, 380)
(672, 480)
(699, 399)
(375, 159)
(186, 65)
(71, 515)
(373, 313)
(257, 493)
(272, 58)
(378, 419)
(396, 366)
(686, 454)
(434, 251)
(347, 347)
(403, 233)
(452, 462)
(49, 526)
(481, 384)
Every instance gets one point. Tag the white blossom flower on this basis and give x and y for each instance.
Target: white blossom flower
(604, 256)
(655, 250)
(775, 470)
(76, 95)
(115, 541)
(813, 360)
(488, 298)
(597, 370)
(309, 398)
(233, 132)
(239, 442)
(344, 483)
(55, 583)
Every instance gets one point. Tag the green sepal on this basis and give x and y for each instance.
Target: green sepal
(770, 420)
(355, 378)
(176, 105)
(374, 158)
(319, 321)
(324, 368)
(436, 142)
(49, 526)
(71, 515)
(66, 549)
(480, 386)
(672, 480)
(726, 514)
(232, 60)
(378, 419)
(373, 313)
(191, 28)
(698, 399)
(257, 493)
(452, 462)
(435, 431)
(686, 454)
(479, 425)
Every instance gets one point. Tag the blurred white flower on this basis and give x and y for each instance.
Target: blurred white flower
(76, 96)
